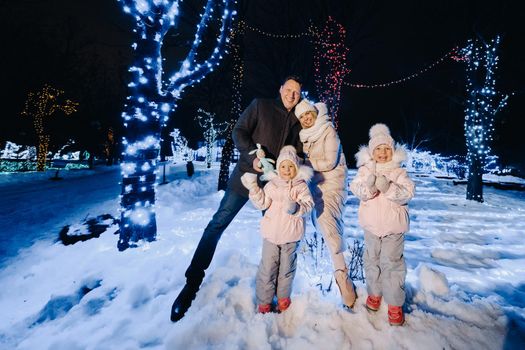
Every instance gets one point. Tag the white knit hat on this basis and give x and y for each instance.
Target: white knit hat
(380, 135)
(304, 106)
(288, 153)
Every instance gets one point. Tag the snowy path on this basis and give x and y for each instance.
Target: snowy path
(36, 208)
(465, 283)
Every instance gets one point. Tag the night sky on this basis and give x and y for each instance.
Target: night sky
(84, 48)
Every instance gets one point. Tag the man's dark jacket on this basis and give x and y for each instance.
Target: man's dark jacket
(267, 122)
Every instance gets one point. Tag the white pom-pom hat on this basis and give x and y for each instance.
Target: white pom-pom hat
(288, 153)
(303, 107)
(380, 135)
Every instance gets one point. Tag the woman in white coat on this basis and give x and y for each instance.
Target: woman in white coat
(324, 153)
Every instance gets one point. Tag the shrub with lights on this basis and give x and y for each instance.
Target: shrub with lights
(179, 148)
(152, 97)
(211, 130)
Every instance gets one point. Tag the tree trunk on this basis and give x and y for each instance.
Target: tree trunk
(475, 180)
(43, 144)
(226, 158)
(142, 120)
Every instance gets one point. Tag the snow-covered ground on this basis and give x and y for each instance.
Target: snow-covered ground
(33, 208)
(465, 283)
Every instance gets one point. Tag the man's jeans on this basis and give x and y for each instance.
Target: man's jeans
(230, 205)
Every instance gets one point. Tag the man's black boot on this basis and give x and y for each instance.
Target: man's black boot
(183, 302)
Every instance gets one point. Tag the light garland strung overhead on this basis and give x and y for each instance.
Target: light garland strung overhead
(275, 35)
(312, 32)
(451, 54)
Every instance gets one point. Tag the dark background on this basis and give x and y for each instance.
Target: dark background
(83, 47)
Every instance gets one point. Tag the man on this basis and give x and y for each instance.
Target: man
(272, 124)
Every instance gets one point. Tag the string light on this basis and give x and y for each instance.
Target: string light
(12, 166)
(274, 35)
(330, 67)
(152, 97)
(179, 147)
(483, 102)
(451, 54)
(212, 130)
(238, 72)
(313, 33)
(41, 105)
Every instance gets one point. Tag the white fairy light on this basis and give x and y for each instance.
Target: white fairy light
(148, 105)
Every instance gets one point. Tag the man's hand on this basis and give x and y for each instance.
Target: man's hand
(257, 165)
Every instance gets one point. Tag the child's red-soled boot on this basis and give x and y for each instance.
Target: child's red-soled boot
(283, 304)
(395, 315)
(265, 308)
(373, 302)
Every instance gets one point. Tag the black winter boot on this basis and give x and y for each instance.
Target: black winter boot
(183, 302)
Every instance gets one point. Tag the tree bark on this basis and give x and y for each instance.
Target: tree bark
(475, 180)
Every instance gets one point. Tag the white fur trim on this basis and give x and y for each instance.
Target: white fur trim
(363, 156)
(303, 173)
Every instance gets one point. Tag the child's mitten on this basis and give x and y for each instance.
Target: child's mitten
(291, 207)
(371, 183)
(382, 183)
(249, 181)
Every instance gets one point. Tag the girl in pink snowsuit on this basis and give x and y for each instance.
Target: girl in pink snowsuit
(384, 189)
(286, 200)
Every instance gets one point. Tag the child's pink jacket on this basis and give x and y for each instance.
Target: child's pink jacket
(383, 213)
(277, 226)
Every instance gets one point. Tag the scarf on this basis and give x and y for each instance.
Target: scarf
(313, 133)
(386, 166)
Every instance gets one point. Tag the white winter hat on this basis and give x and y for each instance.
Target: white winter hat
(303, 107)
(288, 153)
(380, 135)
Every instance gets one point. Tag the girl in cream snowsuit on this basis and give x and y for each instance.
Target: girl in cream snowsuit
(286, 199)
(329, 187)
(384, 189)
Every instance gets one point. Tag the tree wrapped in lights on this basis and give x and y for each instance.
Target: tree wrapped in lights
(236, 109)
(179, 147)
(211, 131)
(41, 105)
(330, 65)
(151, 99)
(483, 102)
